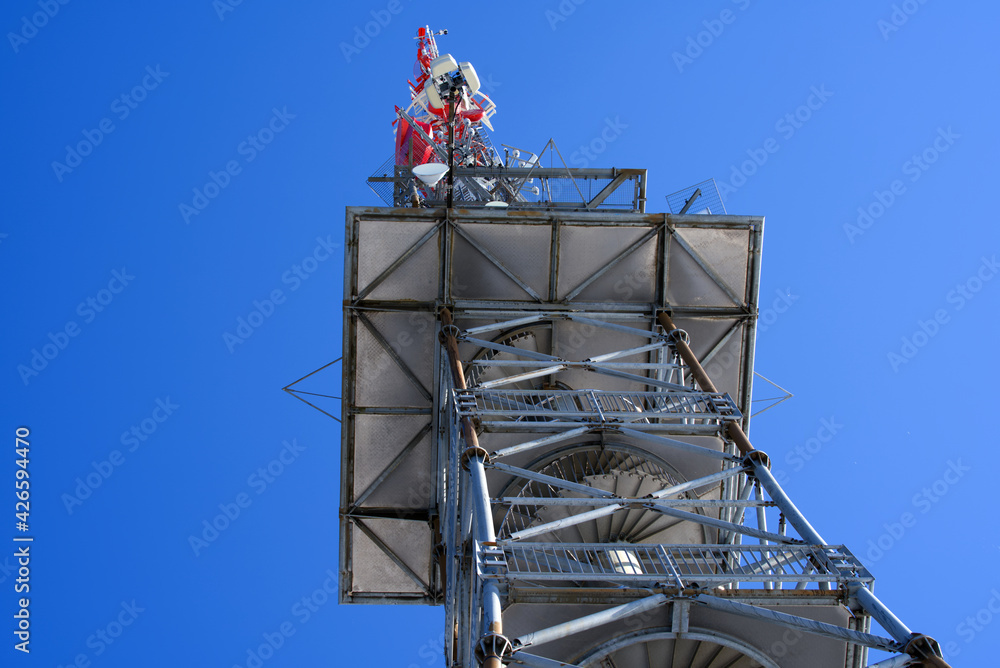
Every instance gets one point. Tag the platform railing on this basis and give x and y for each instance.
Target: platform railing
(682, 566)
(595, 406)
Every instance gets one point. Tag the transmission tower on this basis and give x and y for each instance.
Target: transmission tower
(530, 435)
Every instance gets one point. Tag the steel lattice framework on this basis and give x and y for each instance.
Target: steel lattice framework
(532, 439)
(546, 399)
(713, 575)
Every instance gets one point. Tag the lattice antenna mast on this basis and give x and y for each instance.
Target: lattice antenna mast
(444, 155)
(530, 436)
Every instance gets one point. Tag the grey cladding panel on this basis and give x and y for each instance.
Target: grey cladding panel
(375, 571)
(689, 284)
(382, 242)
(416, 278)
(380, 379)
(524, 249)
(475, 276)
(379, 440)
(725, 251)
(584, 250)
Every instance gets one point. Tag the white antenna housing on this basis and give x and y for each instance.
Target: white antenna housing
(471, 78)
(443, 65)
(430, 173)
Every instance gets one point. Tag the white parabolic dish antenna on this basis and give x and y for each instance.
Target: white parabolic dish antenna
(430, 173)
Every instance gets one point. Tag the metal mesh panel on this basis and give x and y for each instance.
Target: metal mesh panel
(689, 283)
(416, 278)
(632, 280)
(380, 381)
(725, 251)
(622, 197)
(584, 250)
(379, 440)
(411, 337)
(382, 242)
(473, 274)
(380, 573)
(708, 201)
(384, 188)
(564, 189)
(524, 249)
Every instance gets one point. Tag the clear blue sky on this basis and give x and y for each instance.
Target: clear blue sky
(882, 327)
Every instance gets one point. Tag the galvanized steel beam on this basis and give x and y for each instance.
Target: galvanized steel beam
(794, 622)
(588, 622)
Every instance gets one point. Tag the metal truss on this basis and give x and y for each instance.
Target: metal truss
(762, 551)
(499, 470)
(520, 183)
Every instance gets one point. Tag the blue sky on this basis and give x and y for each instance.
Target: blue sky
(864, 132)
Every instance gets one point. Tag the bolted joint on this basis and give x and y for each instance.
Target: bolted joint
(926, 650)
(474, 451)
(675, 335)
(493, 647)
(449, 330)
(757, 456)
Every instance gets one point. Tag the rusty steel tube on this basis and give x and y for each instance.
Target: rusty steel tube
(733, 428)
(485, 532)
(687, 354)
(457, 376)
